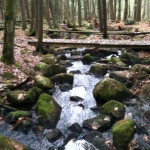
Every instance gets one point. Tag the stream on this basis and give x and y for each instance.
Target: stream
(72, 112)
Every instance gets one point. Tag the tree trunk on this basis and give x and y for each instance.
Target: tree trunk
(100, 14)
(9, 33)
(27, 8)
(125, 10)
(138, 13)
(79, 13)
(119, 10)
(104, 20)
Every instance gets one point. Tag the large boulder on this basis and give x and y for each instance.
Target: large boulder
(98, 69)
(9, 144)
(43, 68)
(100, 123)
(57, 69)
(113, 108)
(123, 132)
(14, 116)
(108, 89)
(87, 59)
(42, 82)
(48, 110)
(21, 97)
(116, 61)
(49, 59)
(63, 78)
(144, 69)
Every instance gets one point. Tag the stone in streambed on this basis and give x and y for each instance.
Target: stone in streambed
(76, 98)
(76, 128)
(48, 110)
(49, 59)
(87, 59)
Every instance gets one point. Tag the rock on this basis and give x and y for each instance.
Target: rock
(130, 58)
(141, 68)
(113, 108)
(76, 128)
(9, 144)
(53, 135)
(75, 71)
(108, 89)
(65, 87)
(130, 21)
(42, 82)
(98, 69)
(125, 129)
(76, 98)
(146, 116)
(20, 97)
(57, 69)
(65, 64)
(97, 139)
(87, 59)
(145, 96)
(49, 59)
(146, 61)
(100, 123)
(126, 77)
(37, 91)
(63, 78)
(48, 110)
(14, 116)
(23, 126)
(141, 128)
(62, 57)
(44, 69)
(116, 61)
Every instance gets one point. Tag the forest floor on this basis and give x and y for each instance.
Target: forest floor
(24, 53)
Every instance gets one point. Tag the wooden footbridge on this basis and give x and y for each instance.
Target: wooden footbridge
(94, 43)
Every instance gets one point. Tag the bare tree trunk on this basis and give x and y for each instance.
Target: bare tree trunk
(32, 25)
(125, 10)
(100, 14)
(79, 13)
(47, 13)
(119, 10)
(104, 20)
(144, 11)
(9, 33)
(27, 8)
(36, 17)
(138, 13)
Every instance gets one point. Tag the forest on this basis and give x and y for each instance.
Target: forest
(74, 74)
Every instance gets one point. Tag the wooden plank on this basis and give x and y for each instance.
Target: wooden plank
(93, 43)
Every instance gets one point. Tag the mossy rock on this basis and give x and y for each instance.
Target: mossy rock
(48, 110)
(130, 21)
(130, 58)
(37, 90)
(49, 59)
(21, 97)
(63, 78)
(43, 68)
(13, 116)
(87, 59)
(98, 69)
(116, 61)
(42, 82)
(57, 69)
(8, 76)
(145, 96)
(9, 144)
(146, 61)
(123, 132)
(113, 108)
(62, 57)
(144, 69)
(108, 89)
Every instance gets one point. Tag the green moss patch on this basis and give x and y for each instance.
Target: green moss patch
(8, 76)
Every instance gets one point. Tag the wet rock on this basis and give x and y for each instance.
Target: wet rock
(95, 109)
(130, 58)
(9, 144)
(126, 77)
(63, 78)
(116, 61)
(76, 98)
(144, 69)
(51, 91)
(48, 110)
(65, 87)
(108, 89)
(14, 116)
(146, 116)
(65, 64)
(131, 102)
(3, 111)
(146, 61)
(126, 129)
(98, 69)
(42, 82)
(51, 148)
(87, 59)
(37, 91)
(62, 57)
(145, 96)
(75, 71)
(97, 139)
(53, 135)
(21, 97)
(76, 128)
(57, 69)
(43, 68)
(141, 128)
(49, 59)
(23, 126)
(113, 108)
(100, 123)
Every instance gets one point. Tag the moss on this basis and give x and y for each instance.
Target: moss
(147, 60)
(113, 108)
(57, 69)
(117, 61)
(8, 76)
(49, 59)
(87, 59)
(126, 129)
(141, 68)
(37, 90)
(9, 144)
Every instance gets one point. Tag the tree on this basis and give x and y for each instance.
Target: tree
(125, 10)
(100, 14)
(9, 33)
(104, 19)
